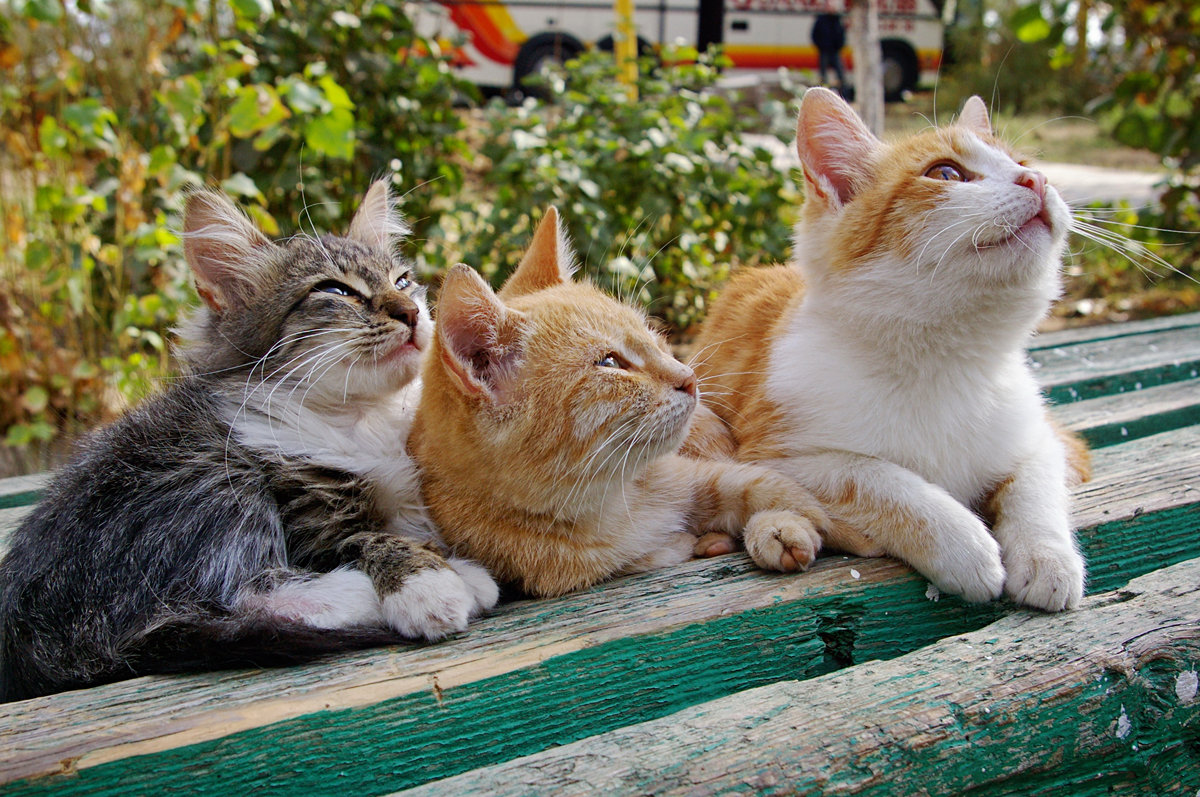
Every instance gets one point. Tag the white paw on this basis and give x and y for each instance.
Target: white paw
(1050, 578)
(781, 540)
(431, 605)
(969, 565)
(479, 581)
(338, 599)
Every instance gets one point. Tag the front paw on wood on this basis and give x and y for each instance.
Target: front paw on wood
(430, 605)
(1051, 579)
(782, 540)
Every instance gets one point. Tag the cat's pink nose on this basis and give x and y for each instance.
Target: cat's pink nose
(1034, 181)
(687, 383)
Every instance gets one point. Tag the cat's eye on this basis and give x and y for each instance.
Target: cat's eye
(405, 281)
(335, 287)
(948, 172)
(612, 360)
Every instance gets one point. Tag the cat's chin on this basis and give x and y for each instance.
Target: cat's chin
(405, 358)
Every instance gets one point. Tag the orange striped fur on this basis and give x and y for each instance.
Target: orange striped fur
(547, 434)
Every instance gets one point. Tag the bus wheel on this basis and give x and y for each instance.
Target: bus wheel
(535, 53)
(899, 70)
(644, 48)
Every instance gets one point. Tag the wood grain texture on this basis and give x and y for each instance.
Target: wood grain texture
(1103, 367)
(1124, 416)
(1100, 700)
(22, 490)
(1123, 329)
(540, 673)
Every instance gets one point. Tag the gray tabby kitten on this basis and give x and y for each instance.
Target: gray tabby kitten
(261, 510)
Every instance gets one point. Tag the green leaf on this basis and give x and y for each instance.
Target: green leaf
(1029, 25)
(37, 255)
(162, 158)
(255, 109)
(267, 138)
(183, 100)
(91, 121)
(42, 10)
(53, 139)
(253, 9)
(42, 431)
(241, 185)
(36, 398)
(304, 98)
(336, 95)
(19, 434)
(332, 134)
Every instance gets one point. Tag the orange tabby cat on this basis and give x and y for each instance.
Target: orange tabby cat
(886, 370)
(546, 437)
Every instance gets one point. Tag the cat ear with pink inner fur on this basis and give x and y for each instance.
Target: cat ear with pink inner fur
(376, 223)
(478, 335)
(834, 146)
(974, 116)
(222, 247)
(549, 261)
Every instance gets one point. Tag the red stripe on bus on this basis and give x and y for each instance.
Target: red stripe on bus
(772, 58)
(486, 37)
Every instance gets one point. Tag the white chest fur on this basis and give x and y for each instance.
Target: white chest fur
(959, 419)
(368, 441)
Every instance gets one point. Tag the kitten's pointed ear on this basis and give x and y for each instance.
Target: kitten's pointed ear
(549, 261)
(974, 116)
(477, 336)
(376, 223)
(222, 247)
(833, 144)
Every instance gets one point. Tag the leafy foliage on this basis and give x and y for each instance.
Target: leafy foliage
(1007, 62)
(1148, 99)
(109, 110)
(662, 195)
(1153, 105)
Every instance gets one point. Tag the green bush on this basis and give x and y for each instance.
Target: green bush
(109, 110)
(662, 196)
(1147, 99)
(1008, 63)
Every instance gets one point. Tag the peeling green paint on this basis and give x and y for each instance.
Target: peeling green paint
(1108, 385)
(1112, 434)
(415, 739)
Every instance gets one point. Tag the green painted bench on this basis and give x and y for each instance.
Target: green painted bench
(855, 677)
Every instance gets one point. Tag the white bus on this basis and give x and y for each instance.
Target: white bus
(506, 40)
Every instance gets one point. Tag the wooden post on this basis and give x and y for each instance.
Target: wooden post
(868, 63)
(625, 46)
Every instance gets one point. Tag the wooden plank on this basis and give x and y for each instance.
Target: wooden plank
(543, 673)
(1101, 700)
(1102, 368)
(1122, 329)
(22, 490)
(10, 518)
(1110, 420)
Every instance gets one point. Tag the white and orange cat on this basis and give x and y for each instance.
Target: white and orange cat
(547, 433)
(886, 371)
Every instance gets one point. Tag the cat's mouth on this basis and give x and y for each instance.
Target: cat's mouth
(1036, 224)
(403, 349)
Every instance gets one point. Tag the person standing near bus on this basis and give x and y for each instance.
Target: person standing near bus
(829, 37)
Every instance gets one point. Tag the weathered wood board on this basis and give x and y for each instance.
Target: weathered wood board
(539, 674)
(1102, 700)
